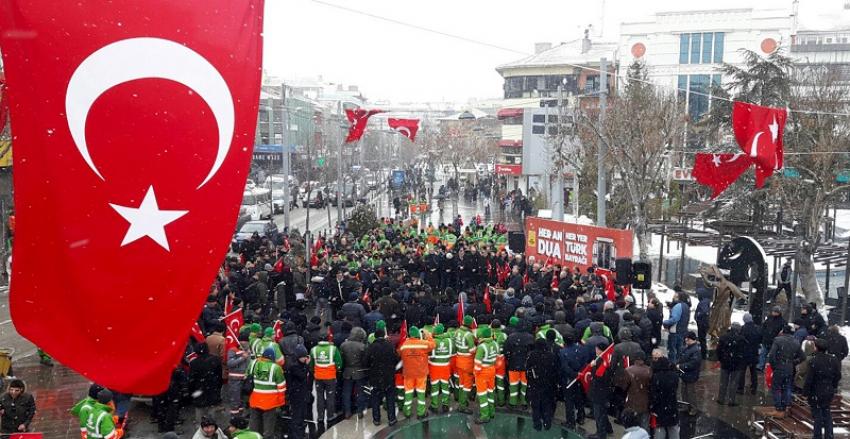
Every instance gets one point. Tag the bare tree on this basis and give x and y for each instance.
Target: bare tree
(641, 127)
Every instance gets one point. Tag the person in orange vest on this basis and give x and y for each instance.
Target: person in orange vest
(325, 360)
(414, 354)
(485, 374)
(269, 392)
(464, 344)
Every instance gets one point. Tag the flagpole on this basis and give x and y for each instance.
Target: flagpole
(595, 359)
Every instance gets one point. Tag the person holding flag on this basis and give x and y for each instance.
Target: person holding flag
(464, 342)
(440, 369)
(599, 393)
(237, 367)
(485, 375)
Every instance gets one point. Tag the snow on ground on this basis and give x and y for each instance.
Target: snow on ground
(842, 223)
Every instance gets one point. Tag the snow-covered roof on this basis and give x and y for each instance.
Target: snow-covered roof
(569, 53)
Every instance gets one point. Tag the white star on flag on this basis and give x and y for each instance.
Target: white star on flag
(716, 159)
(148, 220)
(774, 129)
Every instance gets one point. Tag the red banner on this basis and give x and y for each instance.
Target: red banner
(575, 245)
(134, 126)
(508, 169)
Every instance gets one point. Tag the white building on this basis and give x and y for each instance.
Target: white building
(684, 50)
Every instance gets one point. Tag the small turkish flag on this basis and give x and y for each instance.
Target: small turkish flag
(366, 299)
(358, 118)
(197, 334)
(759, 131)
(278, 330)
(407, 127)
(718, 171)
(402, 333)
(487, 301)
(460, 311)
(233, 322)
(134, 130)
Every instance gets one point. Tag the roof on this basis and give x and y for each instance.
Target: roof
(564, 54)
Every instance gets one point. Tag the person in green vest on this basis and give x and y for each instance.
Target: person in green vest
(99, 423)
(499, 337)
(238, 429)
(81, 409)
(380, 324)
(269, 391)
(541, 334)
(325, 360)
(464, 343)
(255, 332)
(261, 344)
(485, 375)
(440, 368)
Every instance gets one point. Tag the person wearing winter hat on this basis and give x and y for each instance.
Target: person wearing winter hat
(238, 429)
(267, 341)
(464, 344)
(99, 425)
(269, 392)
(380, 324)
(208, 430)
(500, 337)
(440, 369)
(752, 337)
(83, 408)
(414, 359)
(485, 374)
(325, 360)
(300, 389)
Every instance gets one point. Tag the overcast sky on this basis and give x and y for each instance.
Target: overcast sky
(305, 38)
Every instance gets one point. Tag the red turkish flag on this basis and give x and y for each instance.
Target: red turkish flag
(407, 127)
(759, 131)
(233, 322)
(586, 374)
(460, 311)
(358, 118)
(718, 171)
(278, 330)
(134, 126)
(402, 333)
(4, 105)
(487, 302)
(196, 333)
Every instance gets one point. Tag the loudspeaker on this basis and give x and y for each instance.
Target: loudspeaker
(623, 266)
(642, 272)
(516, 241)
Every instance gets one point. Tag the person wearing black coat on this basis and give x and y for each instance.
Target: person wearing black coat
(752, 339)
(380, 361)
(542, 375)
(298, 389)
(836, 343)
(821, 382)
(205, 381)
(689, 364)
(662, 386)
(516, 349)
(730, 352)
(770, 328)
(572, 358)
(653, 313)
(17, 408)
(600, 392)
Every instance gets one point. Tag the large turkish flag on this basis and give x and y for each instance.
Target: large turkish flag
(134, 123)
(759, 132)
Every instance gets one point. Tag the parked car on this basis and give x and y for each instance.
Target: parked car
(264, 228)
(257, 204)
(318, 198)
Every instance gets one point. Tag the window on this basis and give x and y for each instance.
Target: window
(553, 118)
(682, 88)
(553, 130)
(707, 40)
(538, 118)
(695, 91)
(591, 84)
(696, 46)
(701, 48)
(718, 47)
(538, 129)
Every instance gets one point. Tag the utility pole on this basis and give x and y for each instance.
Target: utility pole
(558, 196)
(339, 198)
(286, 156)
(602, 150)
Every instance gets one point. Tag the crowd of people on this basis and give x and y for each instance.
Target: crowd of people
(419, 322)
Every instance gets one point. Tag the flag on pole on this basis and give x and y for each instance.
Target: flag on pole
(718, 171)
(487, 302)
(586, 374)
(278, 330)
(759, 131)
(460, 312)
(366, 299)
(233, 321)
(358, 118)
(407, 127)
(402, 333)
(228, 305)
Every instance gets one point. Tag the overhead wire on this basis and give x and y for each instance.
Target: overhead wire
(520, 52)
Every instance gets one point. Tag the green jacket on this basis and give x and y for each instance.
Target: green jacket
(261, 344)
(464, 342)
(325, 360)
(82, 409)
(99, 423)
(246, 434)
(541, 333)
(443, 350)
(486, 354)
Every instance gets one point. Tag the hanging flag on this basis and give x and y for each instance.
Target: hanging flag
(197, 334)
(586, 374)
(233, 321)
(406, 127)
(228, 304)
(718, 171)
(607, 278)
(366, 299)
(759, 131)
(768, 376)
(134, 127)
(402, 333)
(358, 118)
(278, 330)
(487, 303)
(460, 311)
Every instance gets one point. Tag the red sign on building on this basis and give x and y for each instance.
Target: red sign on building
(575, 245)
(508, 169)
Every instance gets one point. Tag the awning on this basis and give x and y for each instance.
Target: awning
(510, 143)
(509, 112)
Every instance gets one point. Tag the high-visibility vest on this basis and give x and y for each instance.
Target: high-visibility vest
(269, 385)
(443, 351)
(99, 424)
(326, 358)
(486, 354)
(464, 342)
